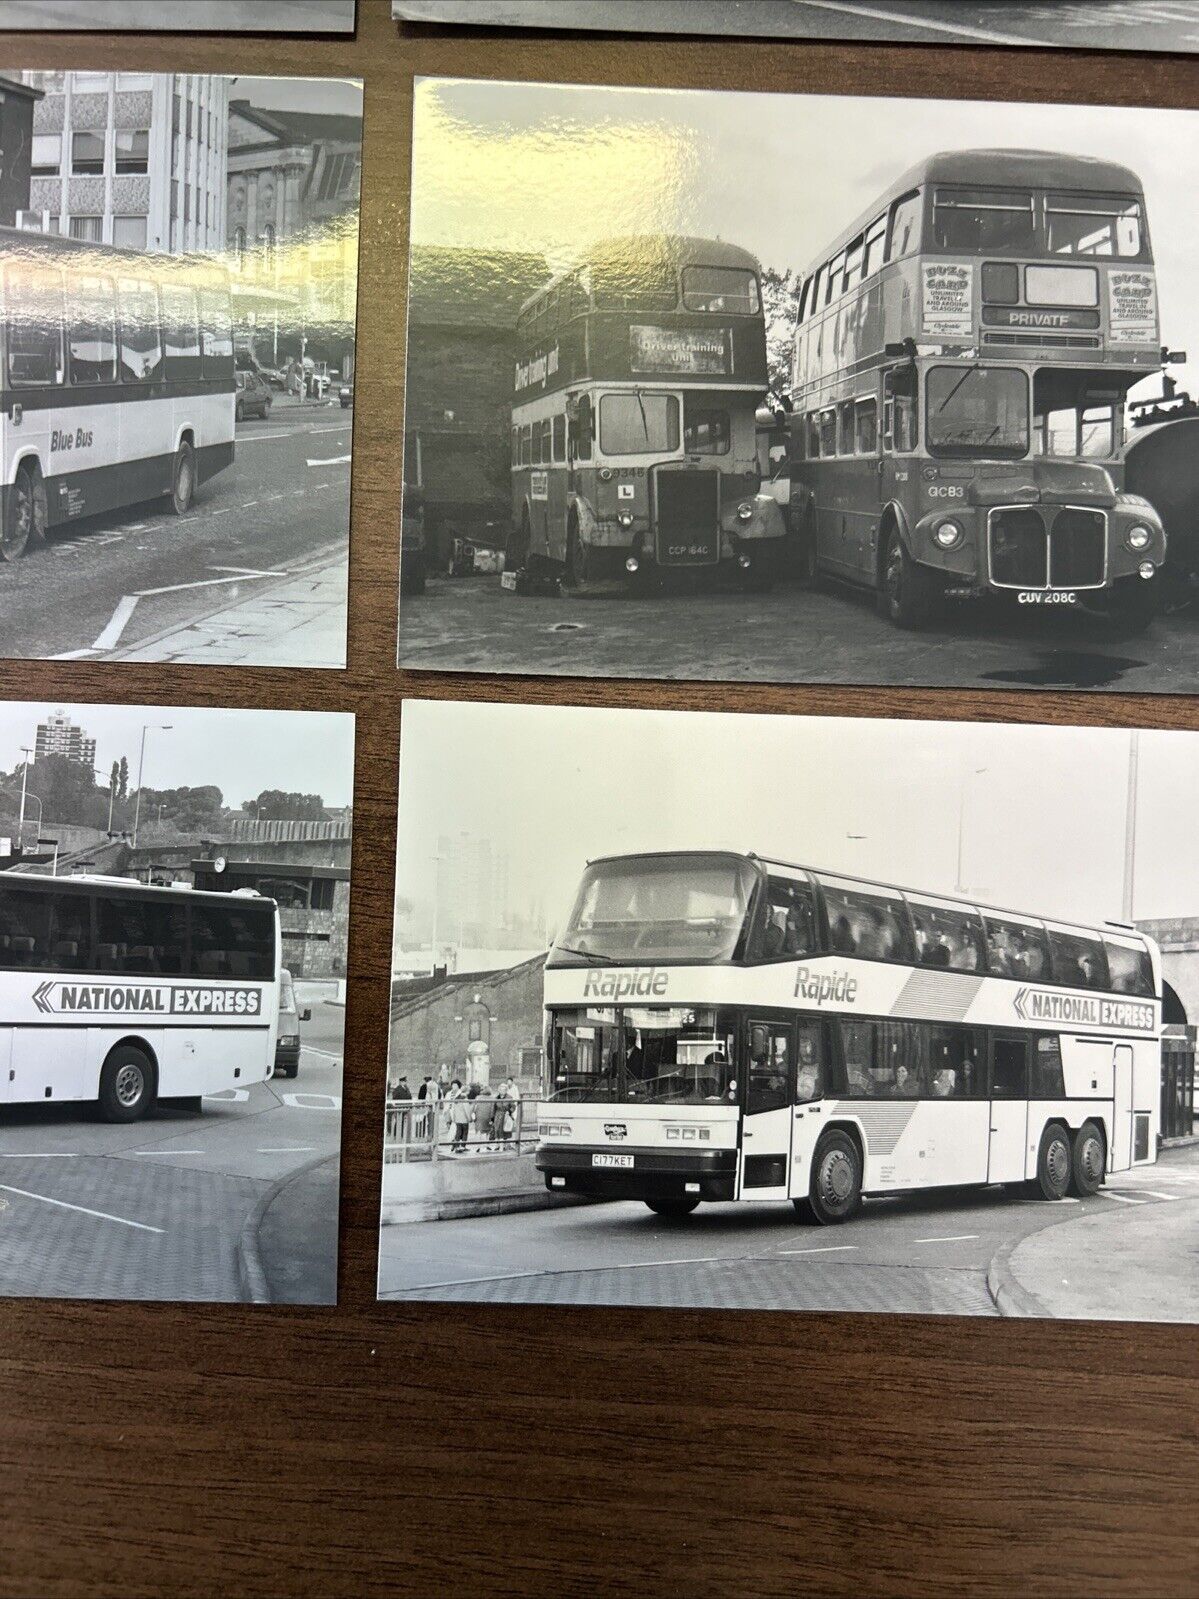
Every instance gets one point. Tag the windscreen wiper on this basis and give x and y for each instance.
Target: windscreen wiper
(970, 370)
(587, 954)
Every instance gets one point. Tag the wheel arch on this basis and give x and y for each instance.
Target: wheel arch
(854, 1129)
(143, 1047)
(892, 519)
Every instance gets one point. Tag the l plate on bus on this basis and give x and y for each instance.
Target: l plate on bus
(611, 1160)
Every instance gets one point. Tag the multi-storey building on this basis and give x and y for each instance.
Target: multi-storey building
(59, 735)
(131, 158)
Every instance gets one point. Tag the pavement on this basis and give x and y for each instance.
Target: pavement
(239, 1202)
(1127, 1252)
(255, 572)
(715, 630)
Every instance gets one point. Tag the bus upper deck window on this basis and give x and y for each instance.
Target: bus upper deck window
(974, 220)
(1130, 969)
(1085, 224)
(905, 226)
(730, 289)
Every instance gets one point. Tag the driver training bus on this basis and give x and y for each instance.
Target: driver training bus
(118, 994)
(963, 354)
(725, 1027)
(116, 381)
(634, 443)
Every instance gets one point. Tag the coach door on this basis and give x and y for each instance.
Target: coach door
(766, 1134)
(1122, 1109)
(1007, 1150)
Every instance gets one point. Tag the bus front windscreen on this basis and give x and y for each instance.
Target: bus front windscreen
(658, 908)
(977, 411)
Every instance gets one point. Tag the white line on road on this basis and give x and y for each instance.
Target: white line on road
(1124, 1199)
(954, 1238)
(100, 1215)
(170, 1152)
(1155, 1193)
(957, 30)
(332, 460)
(247, 571)
(823, 1249)
(202, 583)
(117, 623)
(310, 1049)
(304, 1149)
(72, 1154)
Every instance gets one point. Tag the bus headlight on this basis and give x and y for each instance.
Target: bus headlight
(1139, 537)
(948, 534)
(745, 511)
(1146, 569)
(625, 518)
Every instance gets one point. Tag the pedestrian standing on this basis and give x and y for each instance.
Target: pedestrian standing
(514, 1108)
(460, 1111)
(501, 1121)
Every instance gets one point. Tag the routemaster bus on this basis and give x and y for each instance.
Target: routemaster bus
(118, 994)
(116, 381)
(963, 355)
(725, 1027)
(638, 375)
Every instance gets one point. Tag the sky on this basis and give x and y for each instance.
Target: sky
(1043, 820)
(553, 166)
(242, 752)
(340, 95)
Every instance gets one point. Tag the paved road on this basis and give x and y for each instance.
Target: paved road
(107, 583)
(156, 1210)
(1074, 24)
(921, 1254)
(199, 16)
(829, 635)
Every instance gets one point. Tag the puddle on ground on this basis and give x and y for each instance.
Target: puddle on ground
(566, 627)
(1068, 669)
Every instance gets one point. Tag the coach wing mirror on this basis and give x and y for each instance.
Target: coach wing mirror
(306, 1014)
(906, 348)
(1173, 357)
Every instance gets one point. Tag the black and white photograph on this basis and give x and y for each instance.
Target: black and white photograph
(1154, 25)
(182, 16)
(179, 261)
(900, 1018)
(174, 924)
(681, 406)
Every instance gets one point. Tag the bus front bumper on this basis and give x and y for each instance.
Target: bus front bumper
(643, 1173)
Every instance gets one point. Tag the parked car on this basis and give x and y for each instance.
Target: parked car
(287, 1042)
(413, 556)
(253, 396)
(273, 377)
(346, 394)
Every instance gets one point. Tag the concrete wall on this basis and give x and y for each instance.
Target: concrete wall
(1179, 941)
(503, 1010)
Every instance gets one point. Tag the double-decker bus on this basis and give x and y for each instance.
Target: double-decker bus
(119, 994)
(962, 358)
(116, 381)
(637, 379)
(725, 1027)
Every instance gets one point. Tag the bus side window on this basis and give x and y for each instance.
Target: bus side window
(216, 321)
(1009, 1069)
(769, 1067)
(560, 437)
(899, 409)
(811, 1061)
(181, 330)
(93, 330)
(585, 429)
(1048, 1079)
(141, 334)
(905, 226)
(866, 426)
(35, 349)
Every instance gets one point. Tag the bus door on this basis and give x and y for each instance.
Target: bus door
(897, 465)
(1008, 1146)
(766, 1130)
(1122, 1108)
(8, 1084)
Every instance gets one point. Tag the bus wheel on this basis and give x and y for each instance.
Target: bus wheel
(674, 1208)
(576, 559)
(1054, 1162)
(1133, 605)
(183, 478)
(516, 555)
(835, 1190)
(806, 571)
(1086, 1172)
(20, 525)
(907, 592)
(126, 1085)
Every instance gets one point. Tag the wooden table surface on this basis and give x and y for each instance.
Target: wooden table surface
(362, 1450)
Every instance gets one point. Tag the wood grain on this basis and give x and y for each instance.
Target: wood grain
(363, 1450)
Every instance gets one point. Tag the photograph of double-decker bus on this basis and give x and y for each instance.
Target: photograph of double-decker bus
(807, 416)
(899, 1019)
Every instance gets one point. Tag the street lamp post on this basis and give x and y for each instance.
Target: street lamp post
(163, 727)
(959, 884)
(1130, 823)
(26, 752)
(437, 860)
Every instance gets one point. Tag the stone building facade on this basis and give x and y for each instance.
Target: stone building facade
(1178, 939)
(484, 1026)
(135, 159)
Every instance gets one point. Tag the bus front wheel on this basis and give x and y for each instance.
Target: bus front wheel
(907, 593)
(183, 478)
(126, 1085)
(835, 1189)
(1087, 1165)
(675, 1207)
(26, 519)
(1054, 1162)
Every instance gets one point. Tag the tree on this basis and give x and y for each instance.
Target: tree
(68, 792)
(274, 805)
(778, 304)
(123, 780)
(188, 810)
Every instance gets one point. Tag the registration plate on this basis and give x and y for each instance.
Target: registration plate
(1047, 597)
(611, 1160)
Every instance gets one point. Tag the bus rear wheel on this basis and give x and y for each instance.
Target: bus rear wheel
(1054, 1162)
(126, 1085)
(835, 1189)
(26, 519)
(183, 478)
(1087, 1165)
(907, 594)
(675, 1207)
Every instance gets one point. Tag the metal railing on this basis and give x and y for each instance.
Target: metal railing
(414, 1130)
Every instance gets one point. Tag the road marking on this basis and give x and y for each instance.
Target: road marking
(72, 1154)
(117, 623)
(1156, 1194)
(954, 1238)
(1106, 1193)
(303, 1149)
(230, 1096)
(885, 14)
(247, 571)
(169, 1152)
(203, 583)
(312, 1101)
(332, 460)
(73, 655)
(310, 1049)
(824, 1249)
(100, 1215)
